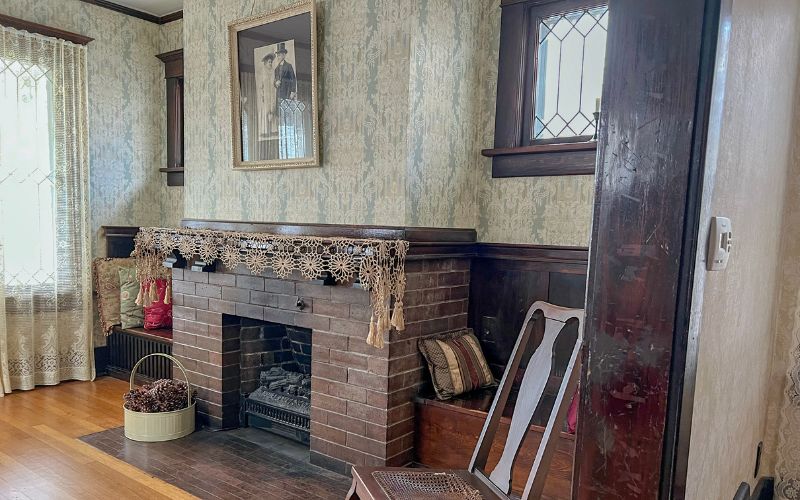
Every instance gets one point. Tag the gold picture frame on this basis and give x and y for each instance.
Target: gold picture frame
(273, 81)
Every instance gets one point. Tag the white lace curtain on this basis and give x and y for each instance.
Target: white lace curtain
(45, 286)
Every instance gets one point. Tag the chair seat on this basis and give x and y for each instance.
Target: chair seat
(402, 483)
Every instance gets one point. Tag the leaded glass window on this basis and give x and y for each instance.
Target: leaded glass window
(569, 73)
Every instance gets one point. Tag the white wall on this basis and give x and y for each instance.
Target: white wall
(736, 329)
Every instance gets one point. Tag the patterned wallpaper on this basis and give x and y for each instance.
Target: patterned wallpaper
(442, 168)
(538, 210)
(126, 110)
(407, 102)
(171, 197)
(364, 46)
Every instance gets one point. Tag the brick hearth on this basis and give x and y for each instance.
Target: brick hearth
(362, 411)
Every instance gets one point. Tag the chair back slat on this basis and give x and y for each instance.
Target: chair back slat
(530, 394)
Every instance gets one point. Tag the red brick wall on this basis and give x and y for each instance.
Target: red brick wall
(362, 397)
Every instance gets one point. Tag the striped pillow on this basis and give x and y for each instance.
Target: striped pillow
(456, 363)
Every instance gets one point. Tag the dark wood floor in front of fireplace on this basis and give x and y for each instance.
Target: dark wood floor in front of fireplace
(243, 463)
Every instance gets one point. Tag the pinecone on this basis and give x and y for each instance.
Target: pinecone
(161, 396)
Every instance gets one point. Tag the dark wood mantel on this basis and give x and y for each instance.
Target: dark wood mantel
(424, 241)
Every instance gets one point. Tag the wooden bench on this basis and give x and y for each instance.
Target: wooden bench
(447, 431)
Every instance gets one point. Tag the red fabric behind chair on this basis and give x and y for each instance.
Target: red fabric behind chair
(572, 413)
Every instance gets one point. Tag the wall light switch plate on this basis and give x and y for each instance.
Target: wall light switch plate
(720, 242)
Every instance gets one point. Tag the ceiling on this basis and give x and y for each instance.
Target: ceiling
(155, 7)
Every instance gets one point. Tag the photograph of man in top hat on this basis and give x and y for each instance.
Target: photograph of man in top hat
(285, 78)
(274, 89)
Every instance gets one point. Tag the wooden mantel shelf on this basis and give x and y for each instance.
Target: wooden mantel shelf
(427, 241)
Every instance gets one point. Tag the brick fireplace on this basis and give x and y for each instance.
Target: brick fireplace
(362, 410)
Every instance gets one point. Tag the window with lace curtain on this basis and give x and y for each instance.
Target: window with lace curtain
(27, 195)
(45, 279)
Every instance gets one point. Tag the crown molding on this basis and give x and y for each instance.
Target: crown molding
(168, 18)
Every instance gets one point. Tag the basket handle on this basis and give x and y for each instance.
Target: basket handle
(177, 363)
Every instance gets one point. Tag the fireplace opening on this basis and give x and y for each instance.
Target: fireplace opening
(275, 371)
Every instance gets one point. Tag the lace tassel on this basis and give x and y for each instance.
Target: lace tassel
(372, 328)
(140, 296)
(398, 317)
(383, 323)
(168, 293)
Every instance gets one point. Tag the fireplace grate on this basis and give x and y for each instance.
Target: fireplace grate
(281, 420)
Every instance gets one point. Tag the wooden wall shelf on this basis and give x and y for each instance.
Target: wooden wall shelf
(173, 74)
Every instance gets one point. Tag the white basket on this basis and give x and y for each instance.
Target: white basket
(165, 426)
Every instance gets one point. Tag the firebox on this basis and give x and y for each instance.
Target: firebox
(279, 399)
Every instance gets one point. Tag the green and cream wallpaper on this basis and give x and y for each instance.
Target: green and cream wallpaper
(406, 105)
(441, 165)
(538, 210)
(363, 67)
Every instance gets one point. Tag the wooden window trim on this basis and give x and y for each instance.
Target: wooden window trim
(514, 154)
(41, 29)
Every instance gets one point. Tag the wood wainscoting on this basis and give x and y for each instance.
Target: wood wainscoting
(505, 281)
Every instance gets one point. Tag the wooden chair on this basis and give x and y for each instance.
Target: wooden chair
(398, 483)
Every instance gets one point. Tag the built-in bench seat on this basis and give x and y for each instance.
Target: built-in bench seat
(447, 431)
(160, 335)
(126, 346)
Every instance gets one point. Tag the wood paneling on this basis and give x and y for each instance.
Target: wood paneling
(648, 175)
(507, 279)
(544, 164)
(41, 29)
(119, 240)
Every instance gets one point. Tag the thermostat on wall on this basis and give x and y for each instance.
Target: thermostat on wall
(720, 241)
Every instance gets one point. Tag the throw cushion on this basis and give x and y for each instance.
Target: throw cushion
(106, 285)
(131, 315)
(158, 314)
(456, 363)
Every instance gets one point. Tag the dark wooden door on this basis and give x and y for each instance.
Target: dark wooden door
(656, 99)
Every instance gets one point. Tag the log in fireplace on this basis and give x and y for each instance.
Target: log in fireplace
(282, 404)
(282, 356)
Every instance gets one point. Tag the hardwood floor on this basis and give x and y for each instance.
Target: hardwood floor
(41, 457)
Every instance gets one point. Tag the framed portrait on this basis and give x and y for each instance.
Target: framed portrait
(274, 89)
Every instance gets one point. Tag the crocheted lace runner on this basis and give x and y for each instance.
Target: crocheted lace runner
(378, 264)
